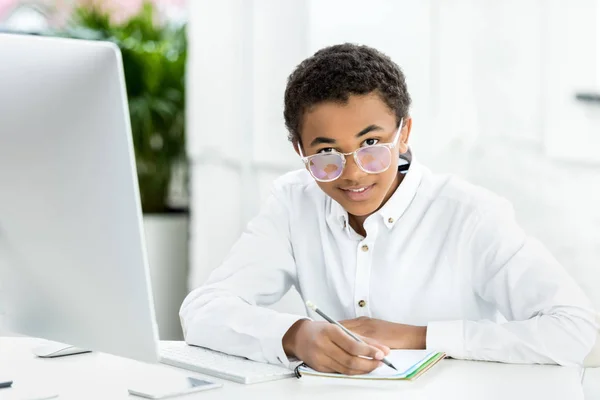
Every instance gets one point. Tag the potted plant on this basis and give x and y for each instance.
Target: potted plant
(154, 60)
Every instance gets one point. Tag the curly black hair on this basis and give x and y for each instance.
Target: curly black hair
(336, 72)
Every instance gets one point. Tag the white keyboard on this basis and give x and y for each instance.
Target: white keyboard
(214, 363)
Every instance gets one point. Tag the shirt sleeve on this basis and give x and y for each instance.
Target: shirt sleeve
(549, 318)
(227, 313)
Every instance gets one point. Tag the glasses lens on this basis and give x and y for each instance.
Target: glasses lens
(326, 167)
(374, 159)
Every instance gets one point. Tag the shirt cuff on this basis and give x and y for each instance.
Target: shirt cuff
(447, 336)
(273, 345)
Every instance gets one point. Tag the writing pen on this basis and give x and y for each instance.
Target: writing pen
(313, 307)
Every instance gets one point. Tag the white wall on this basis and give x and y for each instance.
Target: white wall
(487, 106)
(536, 145)
(572, 64)
(241, 52)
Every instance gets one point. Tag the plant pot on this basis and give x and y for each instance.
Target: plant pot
(167, 247)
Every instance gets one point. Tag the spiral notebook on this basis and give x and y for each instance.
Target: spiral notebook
(410, 364)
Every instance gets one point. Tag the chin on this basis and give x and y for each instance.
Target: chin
(360, 211)
(360, 204)
(360, 208)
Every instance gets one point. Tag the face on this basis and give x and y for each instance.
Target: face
(363, 121)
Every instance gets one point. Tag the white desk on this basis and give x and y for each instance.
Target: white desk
(101, 376)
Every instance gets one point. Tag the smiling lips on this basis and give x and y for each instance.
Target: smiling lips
(359, 193)
(358, 190)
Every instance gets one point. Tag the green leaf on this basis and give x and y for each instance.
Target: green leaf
(154, 60)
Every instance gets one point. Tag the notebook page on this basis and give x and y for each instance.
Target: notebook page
(406, 361)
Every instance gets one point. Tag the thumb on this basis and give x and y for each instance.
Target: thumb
(376, 344)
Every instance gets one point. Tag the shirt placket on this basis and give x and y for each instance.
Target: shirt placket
(364, 260)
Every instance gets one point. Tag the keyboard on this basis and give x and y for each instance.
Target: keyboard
(220, 365)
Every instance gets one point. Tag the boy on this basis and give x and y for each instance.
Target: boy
(405, 258)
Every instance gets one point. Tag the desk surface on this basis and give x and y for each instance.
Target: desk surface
(102, 376)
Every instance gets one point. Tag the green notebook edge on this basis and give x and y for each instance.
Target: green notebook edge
(434, 359)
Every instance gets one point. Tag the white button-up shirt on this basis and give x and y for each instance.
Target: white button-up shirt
(440, 253)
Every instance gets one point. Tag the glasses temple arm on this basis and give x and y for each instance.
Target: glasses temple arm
(397, 135)
(300, 152)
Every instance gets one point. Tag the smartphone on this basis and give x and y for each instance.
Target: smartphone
(172, 387)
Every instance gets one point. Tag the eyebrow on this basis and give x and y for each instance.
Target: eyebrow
(326, 140)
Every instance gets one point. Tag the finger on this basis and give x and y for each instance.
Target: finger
(351, 346)
(349, 364)
(322, 363)
(324, 368)
(375, 343)
(341, 369)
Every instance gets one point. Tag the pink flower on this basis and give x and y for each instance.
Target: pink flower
(119, 9)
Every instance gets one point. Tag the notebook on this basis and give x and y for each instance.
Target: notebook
(410, 364)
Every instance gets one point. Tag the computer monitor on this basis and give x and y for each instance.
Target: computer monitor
(73, 265)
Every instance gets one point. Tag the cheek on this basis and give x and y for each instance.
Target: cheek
(327, 187)
(387, 178)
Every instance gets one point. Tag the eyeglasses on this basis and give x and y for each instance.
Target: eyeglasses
(375, 159)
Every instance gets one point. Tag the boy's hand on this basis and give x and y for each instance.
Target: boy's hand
(395, 336)
(327, 348)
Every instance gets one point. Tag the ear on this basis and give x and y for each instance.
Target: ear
(404, 135)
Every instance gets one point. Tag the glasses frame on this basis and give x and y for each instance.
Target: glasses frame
(389, 146)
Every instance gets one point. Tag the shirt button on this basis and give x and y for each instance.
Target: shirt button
(364, 247)
(391, 220)
(362, 303)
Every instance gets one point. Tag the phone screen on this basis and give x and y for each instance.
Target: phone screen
(194, 382)
(171, 387)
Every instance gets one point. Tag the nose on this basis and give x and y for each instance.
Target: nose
(352, 171)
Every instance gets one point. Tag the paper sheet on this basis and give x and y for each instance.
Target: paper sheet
(406, 361)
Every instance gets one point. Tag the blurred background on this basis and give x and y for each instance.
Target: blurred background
(506, 94)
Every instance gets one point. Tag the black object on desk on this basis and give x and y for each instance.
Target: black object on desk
(5, 384)
(588, 97)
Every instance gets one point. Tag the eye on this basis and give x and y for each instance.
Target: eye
(370, 142)
(326, 150)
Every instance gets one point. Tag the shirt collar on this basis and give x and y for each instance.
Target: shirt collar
(394, 208)
(396, 205)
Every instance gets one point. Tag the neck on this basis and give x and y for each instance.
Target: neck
(357, 221)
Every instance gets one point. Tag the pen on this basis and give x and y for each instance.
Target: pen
(352, 335)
